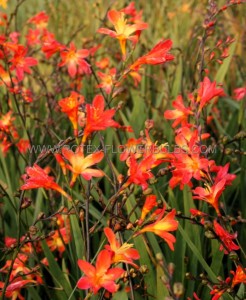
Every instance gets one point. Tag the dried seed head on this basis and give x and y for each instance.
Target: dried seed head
(143, 269)
(26, 202)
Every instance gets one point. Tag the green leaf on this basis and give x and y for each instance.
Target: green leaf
(59, 278)
(198, 255)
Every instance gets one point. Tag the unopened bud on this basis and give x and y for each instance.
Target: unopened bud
(41, 216)
(33, 230)
(228, 151)
(240, 135)
(209, 234)
(148, 191)
(26, 202)
(233, 256)
(117, 227)
(143, 269)
(159, 256)
(208, 225)
(171, 268)
(61, 209)
(51, 233)
(153, 180)
(178, 289)
(149, 124)
(225, 139)
(81, 215)
(129, 226)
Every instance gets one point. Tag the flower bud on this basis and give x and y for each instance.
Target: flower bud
(178, 289)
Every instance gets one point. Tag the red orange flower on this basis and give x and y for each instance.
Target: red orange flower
(120, 253)
(61, 162)
(158, 55)
(6, 122)
(97, 118)
(70, 106)
(226, 238)
(21, 64)
(188, 165)
(75, 60)
(33, 37)
(149, 204)
(180, 114)
(207, 91)
(100, 276)
(80, 165)
(14, 288)
(239, 93)
(59, 239)
(107, 80)
(23, 145)
(4, 77)
(130, 147)
(40, 20)
(162, 226)
(103, 63)
(36, 177)
(140, 172)
(239, 276)
(210, 194)
(123, 31)
(49, 44)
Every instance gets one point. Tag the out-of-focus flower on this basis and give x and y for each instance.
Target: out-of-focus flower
(6, 122)
(103, 63)
(13, 290)
(21, 64)
(239, 93)
(75, 60)
(40, 20)
(107, 80)
(59, 239)
(3, 3)
(239, 276)
(131, 146)
(33, 37)
(23, 145)
(50, 46)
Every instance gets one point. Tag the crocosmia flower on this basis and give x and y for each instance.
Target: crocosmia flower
(100, 275)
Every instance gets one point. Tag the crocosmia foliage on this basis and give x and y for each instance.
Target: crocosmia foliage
(122, 150)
